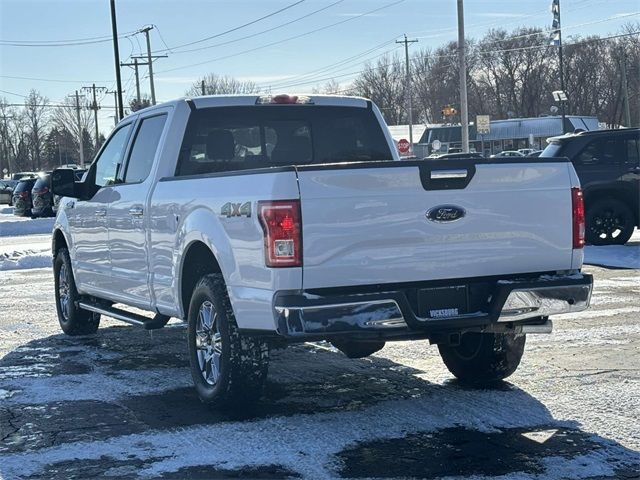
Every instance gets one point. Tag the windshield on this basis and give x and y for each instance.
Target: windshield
(552, 150)
(41, 183)
(239, 138)
(24, 186)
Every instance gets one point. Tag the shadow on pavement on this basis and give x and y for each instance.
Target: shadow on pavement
(303, 380)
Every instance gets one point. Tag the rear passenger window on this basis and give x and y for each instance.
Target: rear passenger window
(601, 151)
(223, 139)
(144, 149)
(632, 148)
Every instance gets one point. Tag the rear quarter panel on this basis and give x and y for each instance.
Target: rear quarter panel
(189, 209)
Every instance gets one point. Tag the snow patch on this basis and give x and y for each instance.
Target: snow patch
(25, 226)
(21, 260)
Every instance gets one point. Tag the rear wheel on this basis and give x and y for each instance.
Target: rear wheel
(73, 320)
(609, 222)
(226, 366)
(483, 358)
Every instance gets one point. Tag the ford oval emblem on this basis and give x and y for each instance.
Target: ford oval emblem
(446, 213)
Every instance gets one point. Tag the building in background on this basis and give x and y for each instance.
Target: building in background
(510, 134)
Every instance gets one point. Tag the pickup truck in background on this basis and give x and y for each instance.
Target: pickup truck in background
(268, 220)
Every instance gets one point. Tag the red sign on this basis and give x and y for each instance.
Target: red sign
(404, 146)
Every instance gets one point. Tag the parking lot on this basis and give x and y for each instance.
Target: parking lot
(120, 403)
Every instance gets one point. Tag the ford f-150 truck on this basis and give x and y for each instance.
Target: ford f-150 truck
(266, 220)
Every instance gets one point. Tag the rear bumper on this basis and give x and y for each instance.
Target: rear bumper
(501, 303)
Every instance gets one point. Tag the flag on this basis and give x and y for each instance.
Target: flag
(555, 24)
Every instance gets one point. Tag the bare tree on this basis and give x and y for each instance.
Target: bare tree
(217, 84)
(384, 83)
(64, 117)
(37, 115)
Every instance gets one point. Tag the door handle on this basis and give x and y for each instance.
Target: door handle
(136, 211)
(101, 212)
(448, 174)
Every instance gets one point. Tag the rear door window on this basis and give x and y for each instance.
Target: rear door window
(601, 151)
(632, 151)
(239, 138)
(144, 149)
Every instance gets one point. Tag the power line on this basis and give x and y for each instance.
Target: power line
(60, 43)
(261, 32)
(51, 79)
(286, 39)
(235, 28)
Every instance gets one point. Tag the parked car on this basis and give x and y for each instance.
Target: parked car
(21, 175)
(508, 153)
(22, 203)
(461, 155)
(526, 151)
(187, 213)
(6, 191)
(79, 172)
(42, 197)
(608, 165)
(535, 153)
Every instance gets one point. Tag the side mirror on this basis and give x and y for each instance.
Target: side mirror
(64, 184)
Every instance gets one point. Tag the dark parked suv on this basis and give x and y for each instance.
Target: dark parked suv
(608, 165)
(22, 197)
(42, 197)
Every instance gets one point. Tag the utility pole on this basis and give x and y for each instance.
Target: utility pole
(202, 87)
(150, 63)
(94, 105)
(116, 54)
(556, 39)
(406, 42)
(115, 100)
(462, 61)
(625, 92)
(135, 66)
(77, 107)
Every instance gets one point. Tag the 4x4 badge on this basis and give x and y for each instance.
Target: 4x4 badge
(446, 213)
(230, 209)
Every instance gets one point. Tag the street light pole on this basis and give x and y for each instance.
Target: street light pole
(464, 112)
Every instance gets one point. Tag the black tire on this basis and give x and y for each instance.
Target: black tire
(237, 366)
(483, 358)
(609, 222)
(353, 349)
(73, 320)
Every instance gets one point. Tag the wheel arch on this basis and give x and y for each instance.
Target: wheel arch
(198, 260)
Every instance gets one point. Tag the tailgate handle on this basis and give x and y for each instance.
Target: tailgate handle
(448, 174)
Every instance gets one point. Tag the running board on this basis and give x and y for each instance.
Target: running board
(147, 323)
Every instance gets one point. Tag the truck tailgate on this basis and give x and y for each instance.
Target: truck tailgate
(369, 223)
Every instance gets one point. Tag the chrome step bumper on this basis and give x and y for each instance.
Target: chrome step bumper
(389, 314)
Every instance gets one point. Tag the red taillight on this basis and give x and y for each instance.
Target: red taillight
(577, 203)
(42, 191)
(282, 233)
(23, 194)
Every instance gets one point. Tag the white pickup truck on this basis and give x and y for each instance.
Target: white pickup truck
(268, 220)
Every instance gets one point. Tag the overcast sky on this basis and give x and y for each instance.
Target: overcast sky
(367, 29)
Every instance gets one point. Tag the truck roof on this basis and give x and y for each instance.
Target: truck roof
(248, 100)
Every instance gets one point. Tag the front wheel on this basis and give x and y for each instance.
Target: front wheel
(73, 320)
(609, 222)
(483, 358)
(226, 366)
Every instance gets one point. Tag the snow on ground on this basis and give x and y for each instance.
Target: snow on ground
(11, 225)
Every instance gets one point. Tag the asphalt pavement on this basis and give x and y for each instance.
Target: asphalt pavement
(120, 403)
